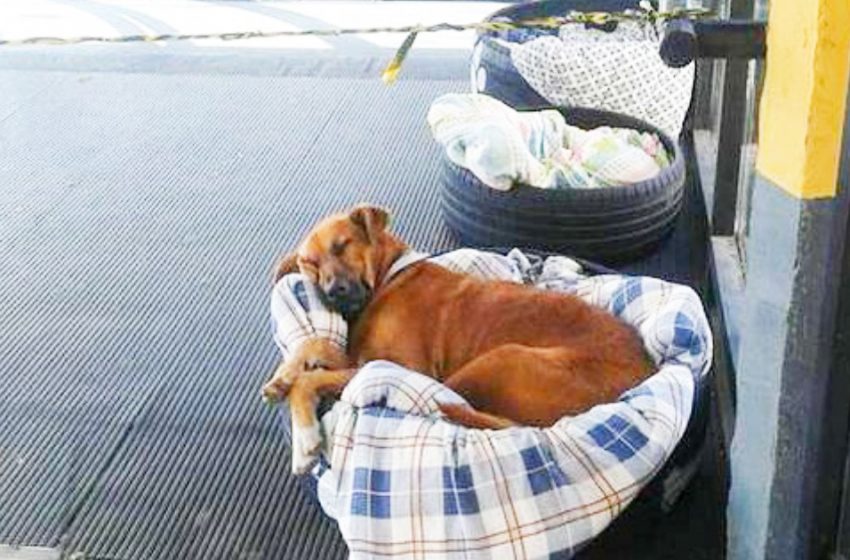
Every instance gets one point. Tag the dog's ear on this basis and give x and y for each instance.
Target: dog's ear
(371, 219)
(286, 265)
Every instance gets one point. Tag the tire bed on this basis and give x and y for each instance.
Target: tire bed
(610, 223)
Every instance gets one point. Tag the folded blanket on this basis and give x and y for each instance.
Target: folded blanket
(503, 147)
(403, 483)
(620, 72)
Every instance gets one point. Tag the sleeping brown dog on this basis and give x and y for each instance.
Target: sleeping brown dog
(519, 355)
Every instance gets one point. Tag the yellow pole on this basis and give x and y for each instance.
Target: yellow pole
(804, 96)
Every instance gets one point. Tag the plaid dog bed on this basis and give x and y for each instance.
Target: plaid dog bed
(402, 482)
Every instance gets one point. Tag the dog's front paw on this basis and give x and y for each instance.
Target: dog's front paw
(277, 389)
(306, 445)
(279, 386)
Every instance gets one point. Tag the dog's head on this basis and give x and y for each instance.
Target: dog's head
(346, 256)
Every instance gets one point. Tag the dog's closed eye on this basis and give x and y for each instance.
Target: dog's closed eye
(339, 246)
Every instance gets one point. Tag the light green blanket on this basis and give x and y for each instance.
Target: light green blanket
(503, 147)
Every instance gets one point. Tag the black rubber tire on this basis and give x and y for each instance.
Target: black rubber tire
(609, 224)
(501, 78)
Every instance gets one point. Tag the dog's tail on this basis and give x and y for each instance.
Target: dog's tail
(285, 265)
(467, 416)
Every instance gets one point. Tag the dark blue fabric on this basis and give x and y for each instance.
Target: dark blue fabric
(459, 496)
(372, 493)
(618, 436)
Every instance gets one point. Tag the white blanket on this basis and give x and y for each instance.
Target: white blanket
(503, 147)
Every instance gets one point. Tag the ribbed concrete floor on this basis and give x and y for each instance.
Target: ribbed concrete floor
(139, 216)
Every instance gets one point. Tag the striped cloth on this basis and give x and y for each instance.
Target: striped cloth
(402, 482)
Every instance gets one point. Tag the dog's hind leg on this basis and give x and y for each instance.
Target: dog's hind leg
(532, 386)
(303, 399)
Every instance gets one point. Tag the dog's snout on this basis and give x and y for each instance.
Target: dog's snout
(338, 289)
(345, 295)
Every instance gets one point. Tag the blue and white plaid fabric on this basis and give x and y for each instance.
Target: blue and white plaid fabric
(402, 482)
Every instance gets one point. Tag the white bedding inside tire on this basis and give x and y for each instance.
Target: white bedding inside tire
(504, 147)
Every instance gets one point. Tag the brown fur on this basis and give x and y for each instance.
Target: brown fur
(517, 354)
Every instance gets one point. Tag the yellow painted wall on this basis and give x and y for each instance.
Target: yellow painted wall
(804, 97)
